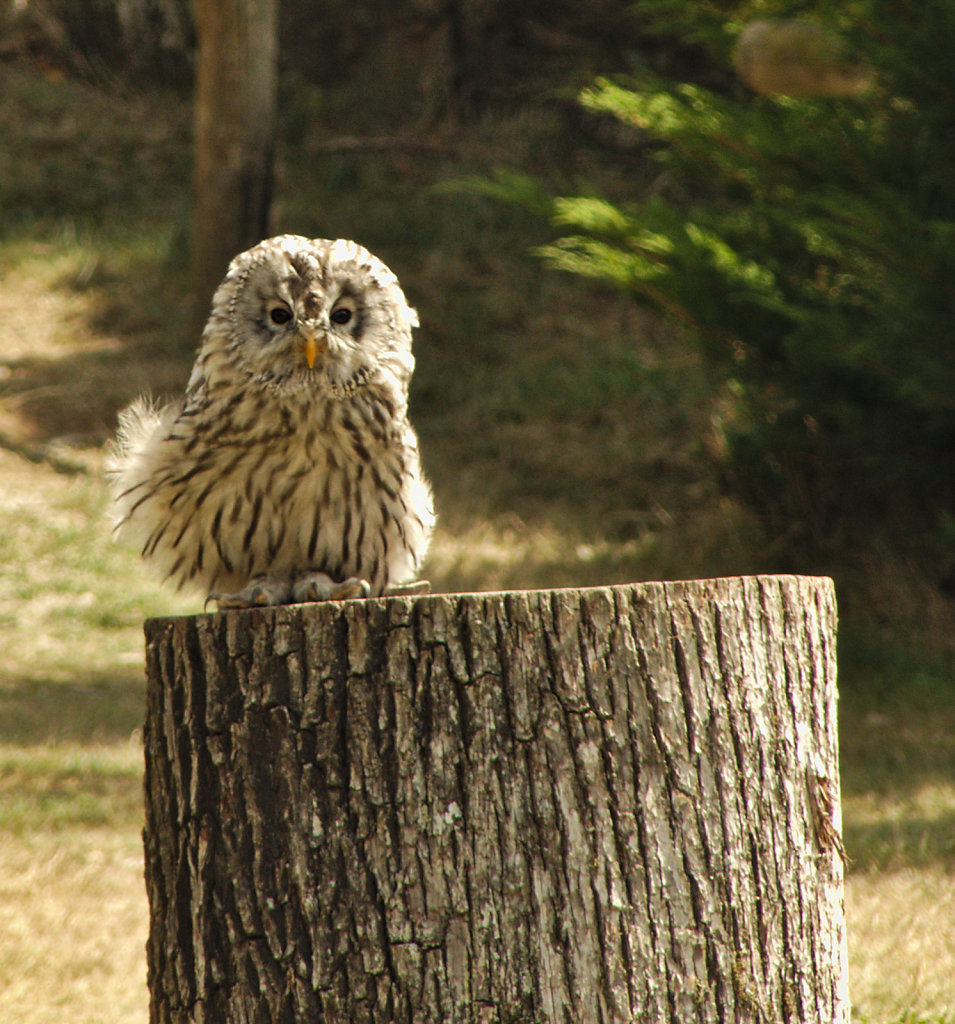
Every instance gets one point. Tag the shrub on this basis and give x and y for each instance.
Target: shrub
(808, 245)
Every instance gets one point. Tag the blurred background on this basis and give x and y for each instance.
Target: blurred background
(685, 280)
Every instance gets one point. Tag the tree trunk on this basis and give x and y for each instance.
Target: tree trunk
(236, 82)
(607, 805)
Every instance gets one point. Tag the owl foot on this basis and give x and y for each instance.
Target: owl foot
(319, 586)
(258, 593)
(408, 589)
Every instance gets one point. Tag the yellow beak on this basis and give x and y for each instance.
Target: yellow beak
(313, 347)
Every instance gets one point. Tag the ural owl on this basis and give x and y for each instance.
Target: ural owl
(289, 470)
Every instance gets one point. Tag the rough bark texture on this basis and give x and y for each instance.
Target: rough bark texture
(607, 805)
(236, 84)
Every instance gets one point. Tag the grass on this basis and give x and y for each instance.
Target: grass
(75, 921)
(897, 714)
(571, 439)
(71, 700)
(904, 917)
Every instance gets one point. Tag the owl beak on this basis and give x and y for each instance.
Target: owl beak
(313, 346)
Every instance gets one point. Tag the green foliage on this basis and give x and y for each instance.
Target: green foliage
(808, 243)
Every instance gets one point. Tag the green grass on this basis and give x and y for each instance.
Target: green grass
(572, 440)
(898, 756)
(70, 786)
(72, 603)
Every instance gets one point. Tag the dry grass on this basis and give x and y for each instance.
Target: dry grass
(71, 662)
(71, 884)
(75, 926)
(571, 441)
(902, 944)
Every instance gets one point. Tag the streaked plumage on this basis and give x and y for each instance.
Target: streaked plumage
(289, 469)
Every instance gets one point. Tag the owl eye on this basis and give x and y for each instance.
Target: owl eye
(280, 315)
(341, 316)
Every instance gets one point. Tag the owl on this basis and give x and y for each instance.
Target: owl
(289, 470)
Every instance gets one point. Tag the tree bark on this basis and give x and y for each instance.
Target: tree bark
(607, 805)
(235, 102)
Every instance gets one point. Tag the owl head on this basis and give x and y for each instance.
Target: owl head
(300, 314)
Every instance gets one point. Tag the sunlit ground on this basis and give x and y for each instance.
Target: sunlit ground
(571, 442)
(71, 881)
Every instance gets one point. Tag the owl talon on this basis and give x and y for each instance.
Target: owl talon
(352, 587)
(258, 594)
(319, 586)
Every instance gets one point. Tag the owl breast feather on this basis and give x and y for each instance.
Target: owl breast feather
(215, 495)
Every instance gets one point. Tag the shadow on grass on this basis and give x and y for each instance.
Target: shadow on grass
(111, 337)
(896, 717)
(92, 712)
(898, 753)
(70, 754)
(76, 399)
(909, 842)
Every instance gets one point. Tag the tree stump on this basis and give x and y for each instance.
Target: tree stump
(605, 805)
